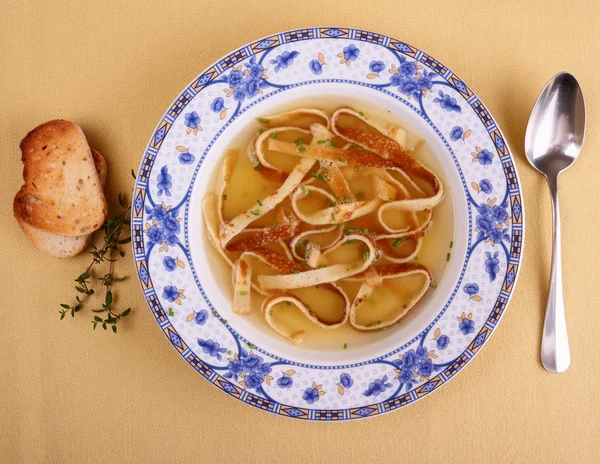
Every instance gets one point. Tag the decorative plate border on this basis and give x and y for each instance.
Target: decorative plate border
(513, 194)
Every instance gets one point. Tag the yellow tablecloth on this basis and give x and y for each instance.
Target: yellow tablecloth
(69, 394)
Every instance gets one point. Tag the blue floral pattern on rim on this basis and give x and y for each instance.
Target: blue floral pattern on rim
(415, 78)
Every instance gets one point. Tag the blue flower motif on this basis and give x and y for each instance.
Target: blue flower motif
(235, 79)
(169, 263)
(485, 157)
(158, 212)
(456, 133)
(310, 395)
(499, 213)
(186, 158)
(200, 317)
(395, 80)
(170, 225)
(265, 369)
(497, 235)
(252, 362)
(217, 105)
(351, 52)
(284, 60)
(316, 67)
(421, 352)
(471, 289)
(170, 293)
(156, 235)
(486, 187)
(285, 382)
(234, 369)
(212, 348)
(467, 326)
(254, 69)
(405, 376)
(447, 102)
(172, 240)
(346, 381)
(425, 82)
(239, 94)
(484, 223)
(192, 120)
(253, 380)
(492, 265)
(409, 359)
(407, 69)
(378, 386)
(164, 182)
(377, 66)
(408, 85)
(484, 209)
(425, 367)
(442, 342)
(251, 86)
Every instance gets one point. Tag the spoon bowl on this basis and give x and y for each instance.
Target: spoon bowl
(556, 127)
(553, 141)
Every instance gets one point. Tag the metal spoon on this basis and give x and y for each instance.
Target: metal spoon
(553, 141)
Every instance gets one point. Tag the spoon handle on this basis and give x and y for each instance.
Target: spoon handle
(555, 342)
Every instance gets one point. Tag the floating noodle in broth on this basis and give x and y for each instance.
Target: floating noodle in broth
(338, 206)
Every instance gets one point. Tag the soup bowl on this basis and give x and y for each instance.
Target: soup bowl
(474, 247)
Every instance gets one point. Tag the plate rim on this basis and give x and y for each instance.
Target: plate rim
(462, 359)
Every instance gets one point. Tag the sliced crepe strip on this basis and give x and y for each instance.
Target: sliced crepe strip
(266, 235)
(239, 223)
(301, 118)
(264, 168)
(242, 275)
(391, 271)
(333, 214)
(294, 335)
(306, 235)
(408, 141)
(330, 273)
(257, 149)
(393, 258)
(227, 169)
(390, 150)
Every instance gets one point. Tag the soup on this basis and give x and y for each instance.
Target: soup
(325, 221)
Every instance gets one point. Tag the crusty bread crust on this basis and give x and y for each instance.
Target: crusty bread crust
(62, 193)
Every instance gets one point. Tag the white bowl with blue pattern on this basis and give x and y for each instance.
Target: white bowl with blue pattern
(187, 293)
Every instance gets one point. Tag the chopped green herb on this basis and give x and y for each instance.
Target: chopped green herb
(332, 204)
(345, 198)
(361, 113)
(264, 121)
(433, 284)
(171, 313)
(274, 135)
(451, 244)
(366, 253)
(259, 202)
(332, 144)
(251, 345)
(351, 242)
(301, 148)
(214, 313)
(303, 243)
(303, 262)
(322, 141)
(356, 168)
(375, 323)
(448, 257)
(317, 176)
(366, 231)
(243, 293)
(332, 217)
(342, 160)
(416, 258)
(288, 303)
(256, 212)
(260, 131)
(298, 141)
(296, 271)
(258, 167)
(361, 148)
(270, 312)
(224, 196)
(274, 223)
(353, 266)
(345, 345)
(229, 352)
(350, 230)
(303, 188)
(398, 242)
(353, 145)
(321, 266)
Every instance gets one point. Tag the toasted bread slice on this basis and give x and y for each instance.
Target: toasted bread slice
(62, 192)
(61, 246)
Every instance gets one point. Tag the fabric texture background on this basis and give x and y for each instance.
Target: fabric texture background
(70, 394)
